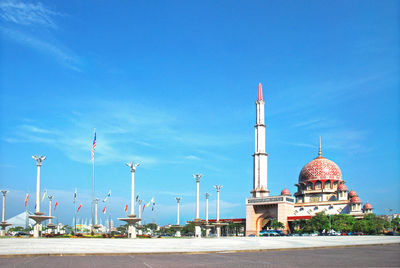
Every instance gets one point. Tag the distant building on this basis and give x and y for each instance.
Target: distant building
(320, 188)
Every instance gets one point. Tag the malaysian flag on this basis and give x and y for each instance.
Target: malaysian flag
(94, 145)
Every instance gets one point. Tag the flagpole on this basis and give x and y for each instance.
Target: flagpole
(109, 215)
(75, 211)
(93, 146)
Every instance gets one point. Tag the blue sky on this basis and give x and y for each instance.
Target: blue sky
(173, 85)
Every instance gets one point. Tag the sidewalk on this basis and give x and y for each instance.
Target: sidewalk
(87, 246)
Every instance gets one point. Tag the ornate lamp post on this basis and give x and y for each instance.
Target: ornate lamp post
(132, 219)
(177, 227)
(38, 216)
(207, 225)
(218, 224)
(96, 204)
(139, 224)
(4, 224)
(197, 221)
(50, 226)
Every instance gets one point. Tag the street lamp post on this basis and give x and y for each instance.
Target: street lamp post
(50, 226)
(197, 220)
(4, 224)
(207, 225)
(218, 224)
(132, 219)
(38, 217)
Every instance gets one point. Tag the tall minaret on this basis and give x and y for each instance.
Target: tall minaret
(260, 156)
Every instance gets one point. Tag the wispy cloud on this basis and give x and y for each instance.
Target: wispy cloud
(27, 13)
(62, 55)
(192, 157)
(155, 135)
(33, 25)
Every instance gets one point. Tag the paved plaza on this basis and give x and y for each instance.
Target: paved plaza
(87, 246)
(358, 256)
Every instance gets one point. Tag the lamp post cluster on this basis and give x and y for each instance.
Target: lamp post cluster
(131, 218)
(206, 224)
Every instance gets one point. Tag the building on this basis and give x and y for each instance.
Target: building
(320, 188)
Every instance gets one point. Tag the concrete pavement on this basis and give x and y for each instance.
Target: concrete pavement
(88, 246)
(358, 256)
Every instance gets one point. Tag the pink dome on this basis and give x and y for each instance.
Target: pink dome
(352, 194)
(320, 169)
(285, 192)
(355, 200)
(367, 206)
(342, 187)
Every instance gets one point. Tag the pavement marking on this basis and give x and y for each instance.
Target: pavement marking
(147, 265)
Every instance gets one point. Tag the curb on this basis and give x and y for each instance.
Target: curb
(186, 253)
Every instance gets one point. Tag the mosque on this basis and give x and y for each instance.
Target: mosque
(320, 188)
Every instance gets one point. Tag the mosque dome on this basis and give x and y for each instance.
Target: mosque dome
(342, 187)
(367, 206)
(320, 169)
(355, 200)
(285, 192)
(352, 193)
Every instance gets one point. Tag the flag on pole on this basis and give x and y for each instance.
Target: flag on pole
(75, 196)
(126, 208)
(151, 201)
(94, 145)
(104, 210)
(137, 198)
(143, 208)
(79, 208)
(44, 195)
(55, 206)
(108, 195)
(26, 199)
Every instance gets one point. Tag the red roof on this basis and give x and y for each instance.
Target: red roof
(352, 193)
(285, 192)
(355, 200)
(367, 206)
(342, 187)
(260, 95)
(293, 218)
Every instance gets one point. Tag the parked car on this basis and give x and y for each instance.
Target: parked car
(22, 234)
(269, 233)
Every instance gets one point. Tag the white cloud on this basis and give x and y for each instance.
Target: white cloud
(27, 13)
(192, 157)
(62, 55)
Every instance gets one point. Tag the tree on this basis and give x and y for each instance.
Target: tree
(396, 224)
(318, 223)
(342, 222)
(16, 229)
(188, 229)
(275, 224)
(123, 229)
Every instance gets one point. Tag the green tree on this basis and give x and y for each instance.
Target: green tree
(318, 223)
(123, 228)
(342, 222)
(188, 229)
(275, 224)
(16, 229)
(396, 224)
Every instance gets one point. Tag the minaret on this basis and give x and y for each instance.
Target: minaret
(260, 156)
